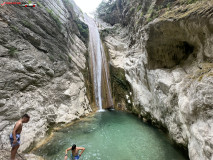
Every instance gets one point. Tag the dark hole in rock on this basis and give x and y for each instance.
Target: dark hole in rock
(168, 54)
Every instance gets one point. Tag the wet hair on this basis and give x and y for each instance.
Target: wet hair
(26, 116)
(73, 147)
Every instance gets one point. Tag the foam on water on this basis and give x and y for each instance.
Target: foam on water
(101, 110)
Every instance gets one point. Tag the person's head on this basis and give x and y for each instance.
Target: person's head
(25, 118)
(73, 147)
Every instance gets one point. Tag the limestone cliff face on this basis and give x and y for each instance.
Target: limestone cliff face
(165, 48)
(42, 58)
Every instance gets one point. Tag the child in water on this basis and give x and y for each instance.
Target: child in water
(75, 155)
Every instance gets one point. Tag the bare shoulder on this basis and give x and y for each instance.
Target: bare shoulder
(80, 148)
(18, 123)
(69, 148)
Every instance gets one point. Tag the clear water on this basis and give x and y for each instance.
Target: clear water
(112, 136)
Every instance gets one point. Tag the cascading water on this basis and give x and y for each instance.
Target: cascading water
(98, 64)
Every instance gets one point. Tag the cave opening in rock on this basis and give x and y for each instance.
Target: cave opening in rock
(168, 54)
(185, 49)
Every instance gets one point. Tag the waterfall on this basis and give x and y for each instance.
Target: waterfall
(98, 65)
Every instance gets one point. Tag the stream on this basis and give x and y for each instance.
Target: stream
(111, 135)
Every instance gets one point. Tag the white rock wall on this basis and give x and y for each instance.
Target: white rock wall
(180, 98)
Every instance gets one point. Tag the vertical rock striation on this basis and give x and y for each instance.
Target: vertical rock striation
(42, 61)
(165, 49)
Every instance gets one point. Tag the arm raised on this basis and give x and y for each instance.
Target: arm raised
(82, 150)
(68, 149)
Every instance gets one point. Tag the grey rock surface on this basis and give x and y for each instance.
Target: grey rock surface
(168, 63)
(5, 154)
(42, 56)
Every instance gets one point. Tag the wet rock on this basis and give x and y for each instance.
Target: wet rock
(168, 63)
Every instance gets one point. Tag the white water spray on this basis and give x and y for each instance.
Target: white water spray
(98, 62)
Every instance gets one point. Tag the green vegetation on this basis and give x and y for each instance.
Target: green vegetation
(40, 5)
(58, 2)
(132, 9)
(104, 33)
(106, 7)
(139, 8)
(62, 57)
(153, 13)
(169, 5)
(54, 17)
(150, 11)
(191, 1)
(27, 24)
(88, 81)
(149, 19)
(101, 7)
(67, 2)
(12, 51)
(160, 7)
(51, 57)
(164, 8)
(108, 11)
(83, 29)
(15, 29)
(70, 59)
(120, 86)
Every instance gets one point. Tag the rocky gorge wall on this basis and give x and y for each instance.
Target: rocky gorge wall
(165, 50)
(42, 66)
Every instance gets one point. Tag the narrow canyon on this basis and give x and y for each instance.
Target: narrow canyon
(150, 58)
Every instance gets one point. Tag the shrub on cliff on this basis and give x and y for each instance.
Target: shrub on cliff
(83, 29)
(107, 11)
(54, 17)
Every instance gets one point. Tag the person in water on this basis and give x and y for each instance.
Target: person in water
(15, 135)
(75, 155)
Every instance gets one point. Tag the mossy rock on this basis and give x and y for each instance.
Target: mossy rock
(12, 51)
(88, 82)
(120, 88)
(83, 29)
(55, 18)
